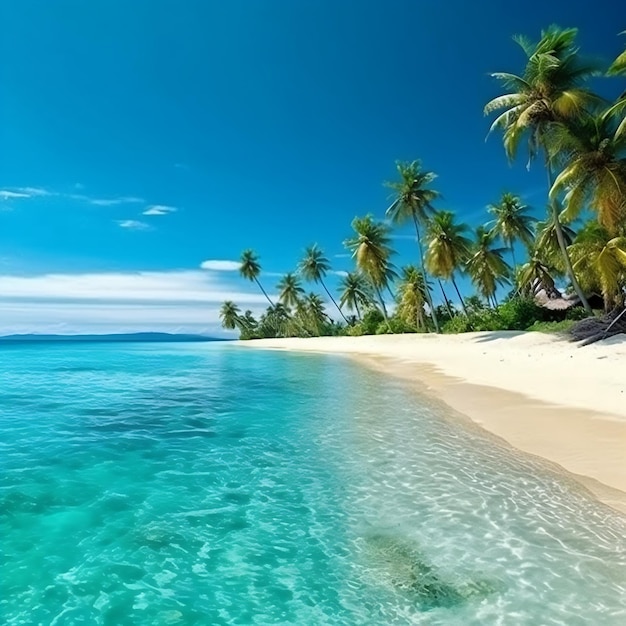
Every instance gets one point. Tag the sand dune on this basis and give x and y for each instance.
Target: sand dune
(540, 393)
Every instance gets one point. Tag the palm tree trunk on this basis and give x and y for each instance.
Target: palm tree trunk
(263, 290)
(561, 239)
(382, 304)
(458, 293)
(333, 301)
(429, 299)
(358, 313)
(445, 299)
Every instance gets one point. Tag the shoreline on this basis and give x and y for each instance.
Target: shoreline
(538, 393)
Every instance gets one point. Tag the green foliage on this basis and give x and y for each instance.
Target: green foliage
(371, 321)
(520, 313)
(552, 327)
(395, 325)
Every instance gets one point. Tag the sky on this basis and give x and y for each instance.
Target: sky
(144, 145)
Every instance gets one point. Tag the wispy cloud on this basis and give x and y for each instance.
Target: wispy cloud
(341, 273)
(183, 301)
(159, 209)
(23, 192)
(133, 225)
(220, 265)
(106, 201)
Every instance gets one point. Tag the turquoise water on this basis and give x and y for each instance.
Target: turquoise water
(209, 484)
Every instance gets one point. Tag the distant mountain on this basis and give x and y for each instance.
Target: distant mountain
(129, 337)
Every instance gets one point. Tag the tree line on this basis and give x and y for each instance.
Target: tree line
(580, 138)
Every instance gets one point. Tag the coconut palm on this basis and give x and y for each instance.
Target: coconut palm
(355, 292)
(313, 307)
(549, 91)
(230, 315)
(535, 276)
(511, 222)
(412, 297)
(600, 260)
(547, 244)
(276, 322)
(413, 201)
(618, 67)
(290, 290)
(250, 270)
(448, 248)
(486, 266)
(371, 250)
(314, 267)
(594, 172)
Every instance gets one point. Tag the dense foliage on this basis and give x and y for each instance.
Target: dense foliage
(581, 139)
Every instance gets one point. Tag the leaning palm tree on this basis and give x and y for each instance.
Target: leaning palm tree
(290, 290)
(250, 270)
(512, 222)
(230, 314)
(601, 262)
(594, 172)
(314, 267)
(448, 248)
(371, 250)
(355, 292)
(413, 201)
(546, 246)
(412, 297)
(550, 90)
(487, 267)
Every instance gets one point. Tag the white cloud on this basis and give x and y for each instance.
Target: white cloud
(341, 273)
(181, 301)
(220, 266)
(159, 209)
(23, 192)
(134, 225)
(114, 201)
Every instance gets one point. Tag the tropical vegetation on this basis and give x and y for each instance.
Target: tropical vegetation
(518, 261)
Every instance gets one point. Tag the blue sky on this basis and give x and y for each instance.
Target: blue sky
(139, 140)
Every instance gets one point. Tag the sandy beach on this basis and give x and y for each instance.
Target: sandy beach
(538, 392)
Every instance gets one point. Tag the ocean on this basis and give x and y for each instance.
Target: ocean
(178, 484)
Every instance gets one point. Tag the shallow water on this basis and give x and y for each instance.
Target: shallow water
(209, 484)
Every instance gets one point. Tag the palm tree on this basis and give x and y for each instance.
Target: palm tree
(250, 270)
(314, 267)
(230, 315)
(547, 244)
(314, 310)
(594, 172)
(412, 297)
(290, 290)
(414, 201)
(618, 67)
(448, 248)
(276, 321)
(549, 91)
(355, 291)
(512, 222)
(370, 247)
(601, 262)
(534, 276)
(486, 266)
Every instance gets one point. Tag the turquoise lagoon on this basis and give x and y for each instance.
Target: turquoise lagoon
(211, 484)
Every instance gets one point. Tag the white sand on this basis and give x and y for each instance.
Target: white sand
(540, 393)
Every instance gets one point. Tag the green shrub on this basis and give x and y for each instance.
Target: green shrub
(371, 321)
(396, 325)
(552, 327)
(520, 313)
(576, 313)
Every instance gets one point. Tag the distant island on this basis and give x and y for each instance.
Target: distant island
(122, 337)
